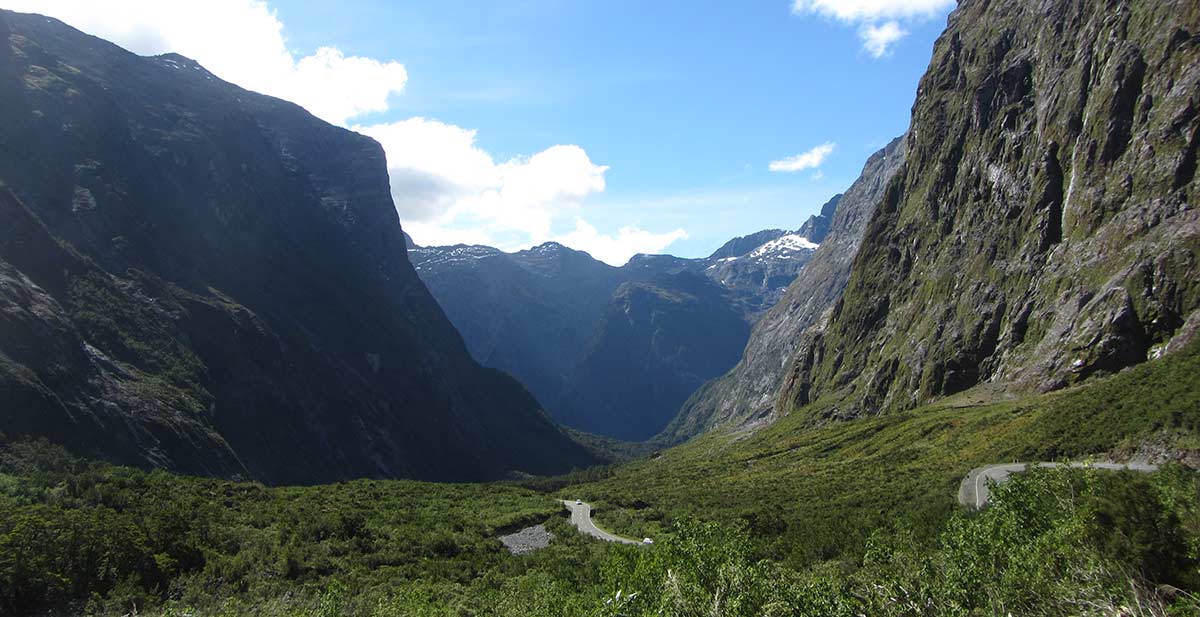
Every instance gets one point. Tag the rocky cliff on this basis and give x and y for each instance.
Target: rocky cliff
(197, 277)
(1043, 228)
(747, 392)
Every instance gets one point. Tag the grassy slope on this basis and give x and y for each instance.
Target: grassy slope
(811, 494)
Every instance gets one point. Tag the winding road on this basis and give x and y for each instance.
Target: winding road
(973, 491)
(581, 517)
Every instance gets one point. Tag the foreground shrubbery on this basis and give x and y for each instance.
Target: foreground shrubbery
(82, 535)
(104, 540)
(1054, 542)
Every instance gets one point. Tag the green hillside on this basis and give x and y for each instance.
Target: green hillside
(819, 489)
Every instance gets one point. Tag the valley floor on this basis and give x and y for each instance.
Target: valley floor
(799, 518)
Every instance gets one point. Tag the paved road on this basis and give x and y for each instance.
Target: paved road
(581, 517)
(973, 492)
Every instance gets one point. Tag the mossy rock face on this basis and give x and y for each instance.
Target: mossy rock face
(1043, 228)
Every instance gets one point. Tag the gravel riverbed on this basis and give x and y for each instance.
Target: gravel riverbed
(527, 540)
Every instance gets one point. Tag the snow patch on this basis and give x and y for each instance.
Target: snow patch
(783, 246)
(450, 254)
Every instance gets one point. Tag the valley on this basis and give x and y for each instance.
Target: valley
(234, 380)
(615, 351)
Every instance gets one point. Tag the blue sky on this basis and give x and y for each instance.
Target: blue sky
(668, 113)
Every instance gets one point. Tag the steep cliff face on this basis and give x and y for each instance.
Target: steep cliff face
(656, 343)
(747, 392)
(225, 285)
(1043, 227)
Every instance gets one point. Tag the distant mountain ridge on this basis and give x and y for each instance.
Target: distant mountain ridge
(201, 278)
(744, 244)
(549, 316)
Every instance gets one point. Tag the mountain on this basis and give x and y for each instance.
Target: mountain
(201, 278)
(817, 227)
(656, 343)
(1042, 229)
(744, 244)
(549, 316)
(527, 313)
(759, 277)
(747, 392)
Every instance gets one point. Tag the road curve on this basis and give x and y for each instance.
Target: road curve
(581, 517)
(973, 491)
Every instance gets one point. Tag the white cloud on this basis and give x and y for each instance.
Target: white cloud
(807, 160)
(447, 189)
(242, 42)
(617, 249)
(877, 40)
(441, 176)
(851, 11)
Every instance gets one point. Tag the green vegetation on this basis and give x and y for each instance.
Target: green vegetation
(840, 519)
(1053, 543)
(816, 492)
(107, 539)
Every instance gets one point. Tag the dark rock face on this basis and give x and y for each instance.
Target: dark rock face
(198, 277)
(656, 343)
(1043, 228)
(747, 392)
(543, 315)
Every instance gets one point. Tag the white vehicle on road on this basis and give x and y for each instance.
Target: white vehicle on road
(647, 541)
(579, 502)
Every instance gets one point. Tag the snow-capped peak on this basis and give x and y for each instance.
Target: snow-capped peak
(783, 246)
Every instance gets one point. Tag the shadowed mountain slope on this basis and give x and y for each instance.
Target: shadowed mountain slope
(202, 278)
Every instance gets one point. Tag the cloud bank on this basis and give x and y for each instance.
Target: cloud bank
(449, 190)
(446, 188)
(872, 10)
(877, 38)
